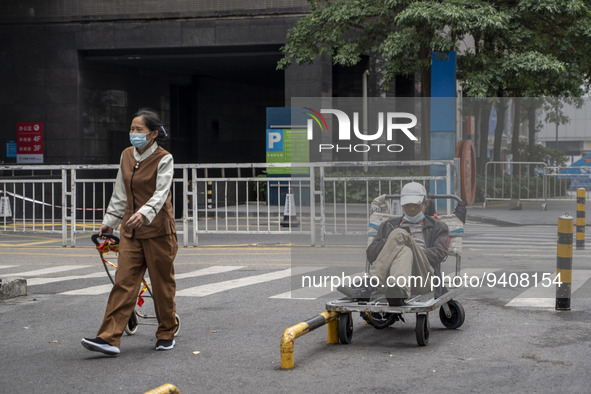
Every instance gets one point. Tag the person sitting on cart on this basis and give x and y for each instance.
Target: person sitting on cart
(413, 245)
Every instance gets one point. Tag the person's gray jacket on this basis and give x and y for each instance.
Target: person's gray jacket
(435, 234)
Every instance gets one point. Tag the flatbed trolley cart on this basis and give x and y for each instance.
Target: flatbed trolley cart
(110, 243)
(378, 313)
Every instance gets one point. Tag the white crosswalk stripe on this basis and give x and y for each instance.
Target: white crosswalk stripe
(93, 290)
(310, 293)
(46, 271)
(106, 288)
(212, 288)
(216, 269)
(43, 281)
(545, 296)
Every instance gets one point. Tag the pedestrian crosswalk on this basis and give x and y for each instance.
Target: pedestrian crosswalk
(530, 289)
(503, 250)
(517, 241)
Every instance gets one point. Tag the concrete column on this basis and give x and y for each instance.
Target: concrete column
(309, 80)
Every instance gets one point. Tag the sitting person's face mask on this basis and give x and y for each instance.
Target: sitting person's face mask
(413, 212)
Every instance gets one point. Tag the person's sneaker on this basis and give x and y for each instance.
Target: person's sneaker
(359, 293)
(99, 345)
(396, 296)
(165, 344)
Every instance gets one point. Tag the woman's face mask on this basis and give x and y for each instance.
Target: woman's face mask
(139, 133)
(138, 140)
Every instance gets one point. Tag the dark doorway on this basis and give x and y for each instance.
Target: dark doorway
(213, 99)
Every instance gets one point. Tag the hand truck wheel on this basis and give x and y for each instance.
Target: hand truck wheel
(178, 322)
(345, 328)
(457, 315)
(422, 329)
(132, 325)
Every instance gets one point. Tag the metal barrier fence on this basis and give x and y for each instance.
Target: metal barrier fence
(523, 181)
(340, 216)
(533, 181)
(563, 182)
(217, 198)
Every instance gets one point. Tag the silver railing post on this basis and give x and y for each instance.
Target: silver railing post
(448, 186)
(185, 207)
(312, 206)
(73, 211)
(64, 207)
(322, 209)
(195, 207)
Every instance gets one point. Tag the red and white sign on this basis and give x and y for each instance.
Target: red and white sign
(29, 142)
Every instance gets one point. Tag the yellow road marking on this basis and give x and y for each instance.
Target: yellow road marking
(49, 254)
(31, 243)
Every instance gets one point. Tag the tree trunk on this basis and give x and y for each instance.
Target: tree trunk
(426, 114)
(531, 120)
(501, 110)
(484, 111)
(515, 135)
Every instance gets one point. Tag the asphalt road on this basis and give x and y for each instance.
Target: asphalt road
(234, 306)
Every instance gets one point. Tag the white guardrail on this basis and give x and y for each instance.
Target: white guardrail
(534, 181)
(236, 198)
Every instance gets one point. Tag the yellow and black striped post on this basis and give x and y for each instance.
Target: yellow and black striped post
(564, 262)
(581, 192)
(293, 332)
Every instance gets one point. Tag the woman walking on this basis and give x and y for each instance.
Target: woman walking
(141, 203)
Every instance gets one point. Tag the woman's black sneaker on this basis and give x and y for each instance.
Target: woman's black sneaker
(165, 344)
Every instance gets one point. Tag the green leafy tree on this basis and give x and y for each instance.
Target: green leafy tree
(402, 33)
(505, 48)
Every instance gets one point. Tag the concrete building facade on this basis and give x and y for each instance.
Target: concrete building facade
(83, 67)
(209, 67)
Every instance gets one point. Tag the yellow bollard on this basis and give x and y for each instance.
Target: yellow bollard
(164, 389)
(581, 192)
(564, 262)
(333, 331)
(293, 332)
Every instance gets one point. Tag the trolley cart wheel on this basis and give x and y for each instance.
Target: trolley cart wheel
(422, 329)
(178, 321)
(345, 328)
(379, 320)
(132, 324)
(457, 315)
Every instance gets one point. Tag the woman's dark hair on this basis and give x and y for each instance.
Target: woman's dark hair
(153, 122)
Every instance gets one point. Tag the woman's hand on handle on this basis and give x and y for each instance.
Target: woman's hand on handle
(105, 230)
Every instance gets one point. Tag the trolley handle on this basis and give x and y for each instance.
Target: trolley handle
(95, 238)
(430, 196)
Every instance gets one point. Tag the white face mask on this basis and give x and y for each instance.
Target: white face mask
(414, 219)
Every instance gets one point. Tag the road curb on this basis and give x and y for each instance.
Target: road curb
(491, 220)
(12, 288)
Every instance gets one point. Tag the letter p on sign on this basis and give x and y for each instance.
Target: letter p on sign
(274, 140)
